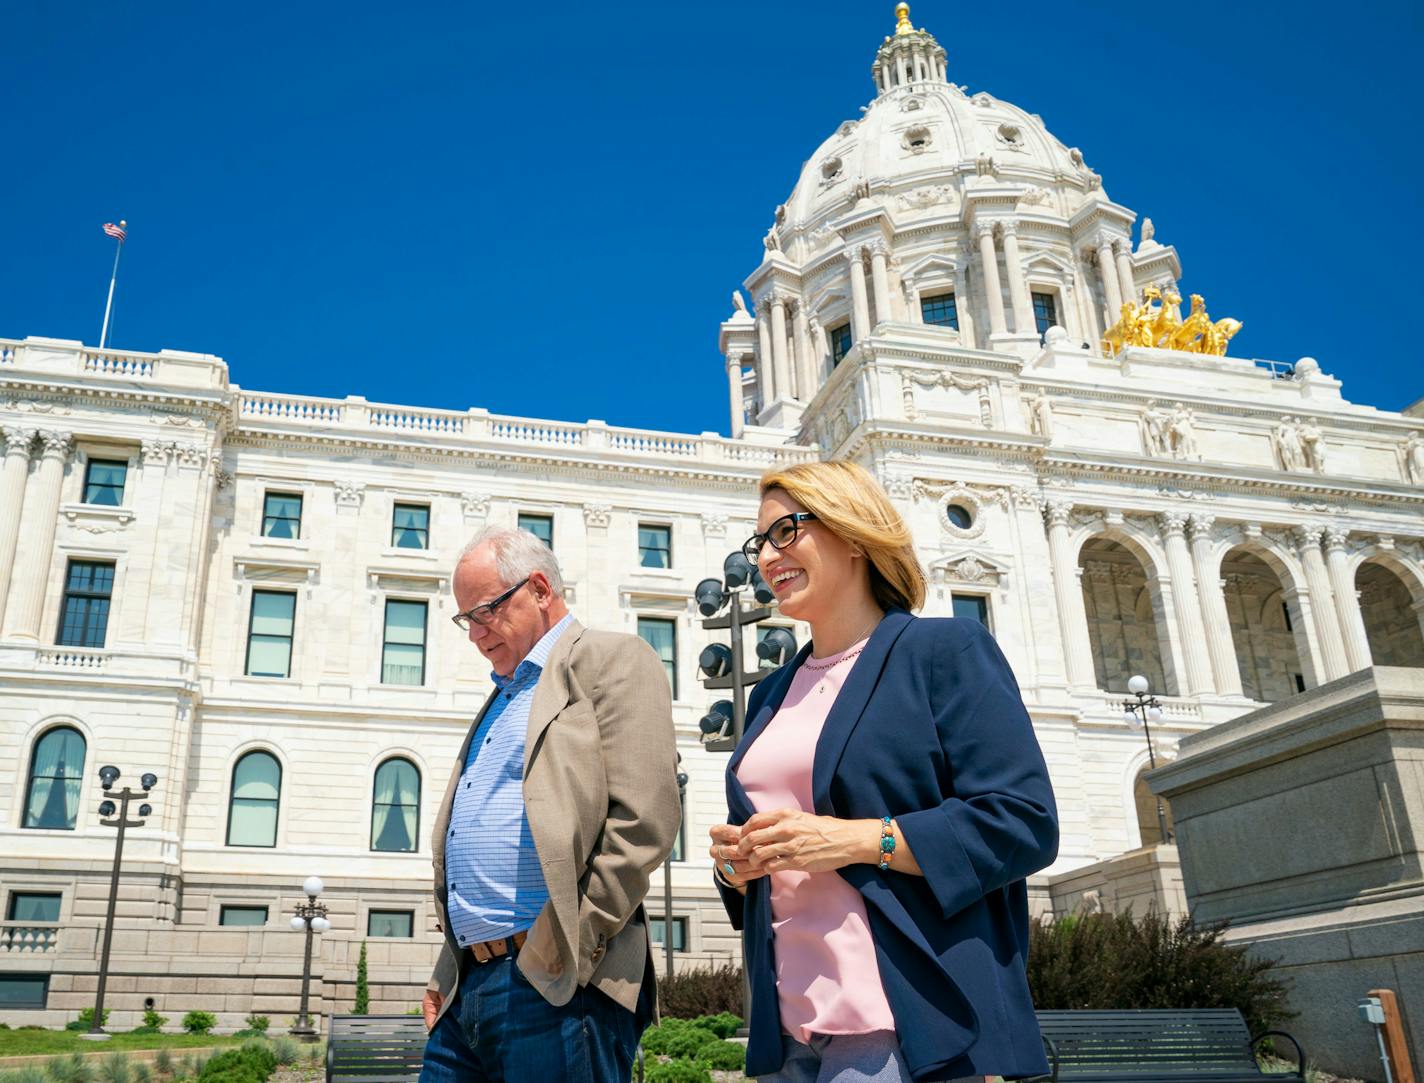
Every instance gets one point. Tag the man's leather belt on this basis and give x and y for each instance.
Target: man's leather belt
(489, 950)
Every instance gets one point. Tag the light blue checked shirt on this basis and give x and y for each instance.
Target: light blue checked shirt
(496, 887)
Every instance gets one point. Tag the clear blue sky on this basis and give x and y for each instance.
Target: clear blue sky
(543, 209)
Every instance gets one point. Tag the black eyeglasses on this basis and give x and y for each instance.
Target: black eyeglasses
(483, 614)
(781, 533)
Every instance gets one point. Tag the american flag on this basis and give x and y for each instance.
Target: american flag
(115, 231)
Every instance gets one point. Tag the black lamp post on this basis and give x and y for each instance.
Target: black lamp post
(311, 916)
(108, 776)
(1142, 710)
(667, 875)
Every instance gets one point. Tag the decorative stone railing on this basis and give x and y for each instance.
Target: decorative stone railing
(71, 658)
(17, 937)
(1174, 708)
(261, 411)
(62, 358)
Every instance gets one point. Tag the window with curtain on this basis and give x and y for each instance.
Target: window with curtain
(397, 923)
(56, 767)
(269, 634)
(654, 546)
(395, 807)
(256, 792)
(940, 310)
(33, 906)
(282, 515)
(410, 526)
(403, 648)
(104, 482)
(84, 615)
(661, 634)
(541, 526)
(1045, 312)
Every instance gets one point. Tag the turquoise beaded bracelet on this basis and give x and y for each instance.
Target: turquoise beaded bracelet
(887, 843)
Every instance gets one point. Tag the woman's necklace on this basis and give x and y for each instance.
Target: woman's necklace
(825, 668)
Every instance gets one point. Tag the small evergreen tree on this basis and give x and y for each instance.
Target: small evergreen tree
(363, 987)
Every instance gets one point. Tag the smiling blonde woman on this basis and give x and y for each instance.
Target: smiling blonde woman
(885, 804)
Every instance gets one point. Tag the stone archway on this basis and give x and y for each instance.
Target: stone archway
(1266, 628)
(1125, 625)
(1145, 800)
(1391, 620)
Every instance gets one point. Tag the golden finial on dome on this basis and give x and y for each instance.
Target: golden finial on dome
(902, 19)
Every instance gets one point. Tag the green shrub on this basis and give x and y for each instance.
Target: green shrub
(196, 1022)
(28, 1074)
(723, 1024)
(259, 1023)
(286, 1050)
(163, 1061)
(702, 991)
(657, 1039)
(86, 1020)
(722, 1056)
(152, 1019)
(253, 1062)
(73, 1068)
(115, 1069)
(142, 1072)
(1105, 961)
(676, 1071)
(363, 985)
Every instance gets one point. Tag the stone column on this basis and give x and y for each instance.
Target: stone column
(880, 279)
(1347, 600)
(734, 391)
(805, 366)
(912, 301)
(1126, 280)
(1018, 285)
(984, 231)
(1086, 314)
(963, 309)
(778, 345)
(40, 513)
(859, 307)
(766, 377)
(12, 495)
(1068, 592)
(1215, 619)
(1317, 582)
(820, 353)
(1108, 273)
(1188, 610)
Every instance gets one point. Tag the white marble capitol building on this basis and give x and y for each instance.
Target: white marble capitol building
(247, 592)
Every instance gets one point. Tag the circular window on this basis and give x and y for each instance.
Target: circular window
(958, 515)
(916, 139)
(1010, 134)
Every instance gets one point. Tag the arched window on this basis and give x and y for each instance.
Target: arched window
(395, 807)
(56, 766)
(256, 790)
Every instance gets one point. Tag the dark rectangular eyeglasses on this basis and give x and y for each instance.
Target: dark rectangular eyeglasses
(483, 614)
(781, 533)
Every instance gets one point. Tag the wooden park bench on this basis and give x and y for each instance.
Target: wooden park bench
(1208, 1045)
(374, 1048)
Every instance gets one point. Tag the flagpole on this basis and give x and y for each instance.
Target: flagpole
(108, 307)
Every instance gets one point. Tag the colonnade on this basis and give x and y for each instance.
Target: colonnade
(1199, 625)
(24, 571)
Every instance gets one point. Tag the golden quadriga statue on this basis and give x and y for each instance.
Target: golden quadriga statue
(1158, 322)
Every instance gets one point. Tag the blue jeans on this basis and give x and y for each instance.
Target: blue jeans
(845, 1058)
(501, 1030)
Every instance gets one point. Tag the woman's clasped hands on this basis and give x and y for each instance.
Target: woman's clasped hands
(788, 839)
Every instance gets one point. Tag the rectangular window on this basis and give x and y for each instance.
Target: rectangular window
(84, 618)
(282, 515)
(940, 310)
(657, 927)
(23, 991)
(1045, 312)
(242, 915)
(397, 923)
(661, 634)
(541, 526)
(410, 526)
(104, 482)
(403, 648)
(1285, 616)
(972, 607)
(33, 906)
(654, 546)
(840, 343)
(269, 634)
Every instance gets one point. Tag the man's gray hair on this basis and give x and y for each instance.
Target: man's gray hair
(517, 553)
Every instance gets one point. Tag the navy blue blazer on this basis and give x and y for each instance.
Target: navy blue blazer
(929, 728)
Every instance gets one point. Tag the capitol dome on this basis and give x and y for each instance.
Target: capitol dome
(953, 211)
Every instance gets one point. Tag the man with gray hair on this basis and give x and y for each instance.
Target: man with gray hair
(562, 802)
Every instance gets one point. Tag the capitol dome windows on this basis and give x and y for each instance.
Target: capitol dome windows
(940, 310)
(917, 140)
(1045, 312)
(840, 343)
(1011, 135)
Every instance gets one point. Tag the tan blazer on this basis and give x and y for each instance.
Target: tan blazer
(600, 789)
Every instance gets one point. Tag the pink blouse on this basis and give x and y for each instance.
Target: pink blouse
(827, 978)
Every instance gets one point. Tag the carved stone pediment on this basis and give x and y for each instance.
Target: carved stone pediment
(965, 568)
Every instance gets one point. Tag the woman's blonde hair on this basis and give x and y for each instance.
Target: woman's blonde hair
(853, 506)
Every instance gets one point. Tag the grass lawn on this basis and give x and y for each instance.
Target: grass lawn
(22, 1043)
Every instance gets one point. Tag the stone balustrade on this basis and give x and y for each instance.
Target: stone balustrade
(18, 937)
(65, 359)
